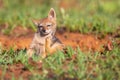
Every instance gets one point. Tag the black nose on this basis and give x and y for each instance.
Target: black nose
(44, 30)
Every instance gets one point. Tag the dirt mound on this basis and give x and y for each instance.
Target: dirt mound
(21, 38)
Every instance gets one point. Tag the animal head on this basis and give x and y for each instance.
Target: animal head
(47, 25)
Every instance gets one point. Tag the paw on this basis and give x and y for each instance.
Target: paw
(44, 56)
(29, 53)
(48, 39)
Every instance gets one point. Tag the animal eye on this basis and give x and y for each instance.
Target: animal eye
(40, 26)
(48, 25)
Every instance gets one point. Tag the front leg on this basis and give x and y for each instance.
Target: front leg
(31, 49)
(42, 51)
(48, 45)
(30, 52)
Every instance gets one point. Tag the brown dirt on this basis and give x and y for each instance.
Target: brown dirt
(21, 38)
(19, 70)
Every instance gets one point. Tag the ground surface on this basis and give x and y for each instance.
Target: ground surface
(97, 23)
(21, 38)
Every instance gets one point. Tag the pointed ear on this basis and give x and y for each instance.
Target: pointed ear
(36, 22)
(52, 14)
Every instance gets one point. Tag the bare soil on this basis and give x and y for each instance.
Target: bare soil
(21, 38)
(19, 70)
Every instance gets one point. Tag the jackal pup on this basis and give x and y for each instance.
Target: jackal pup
(44, 40)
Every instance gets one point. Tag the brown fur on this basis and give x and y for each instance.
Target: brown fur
(44, 40)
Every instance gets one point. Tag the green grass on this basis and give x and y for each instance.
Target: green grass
(92, 66)
(96, 16)
(91, 16)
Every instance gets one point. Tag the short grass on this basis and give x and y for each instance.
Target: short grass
(91, 16)
(71, 65)
(98, 16)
